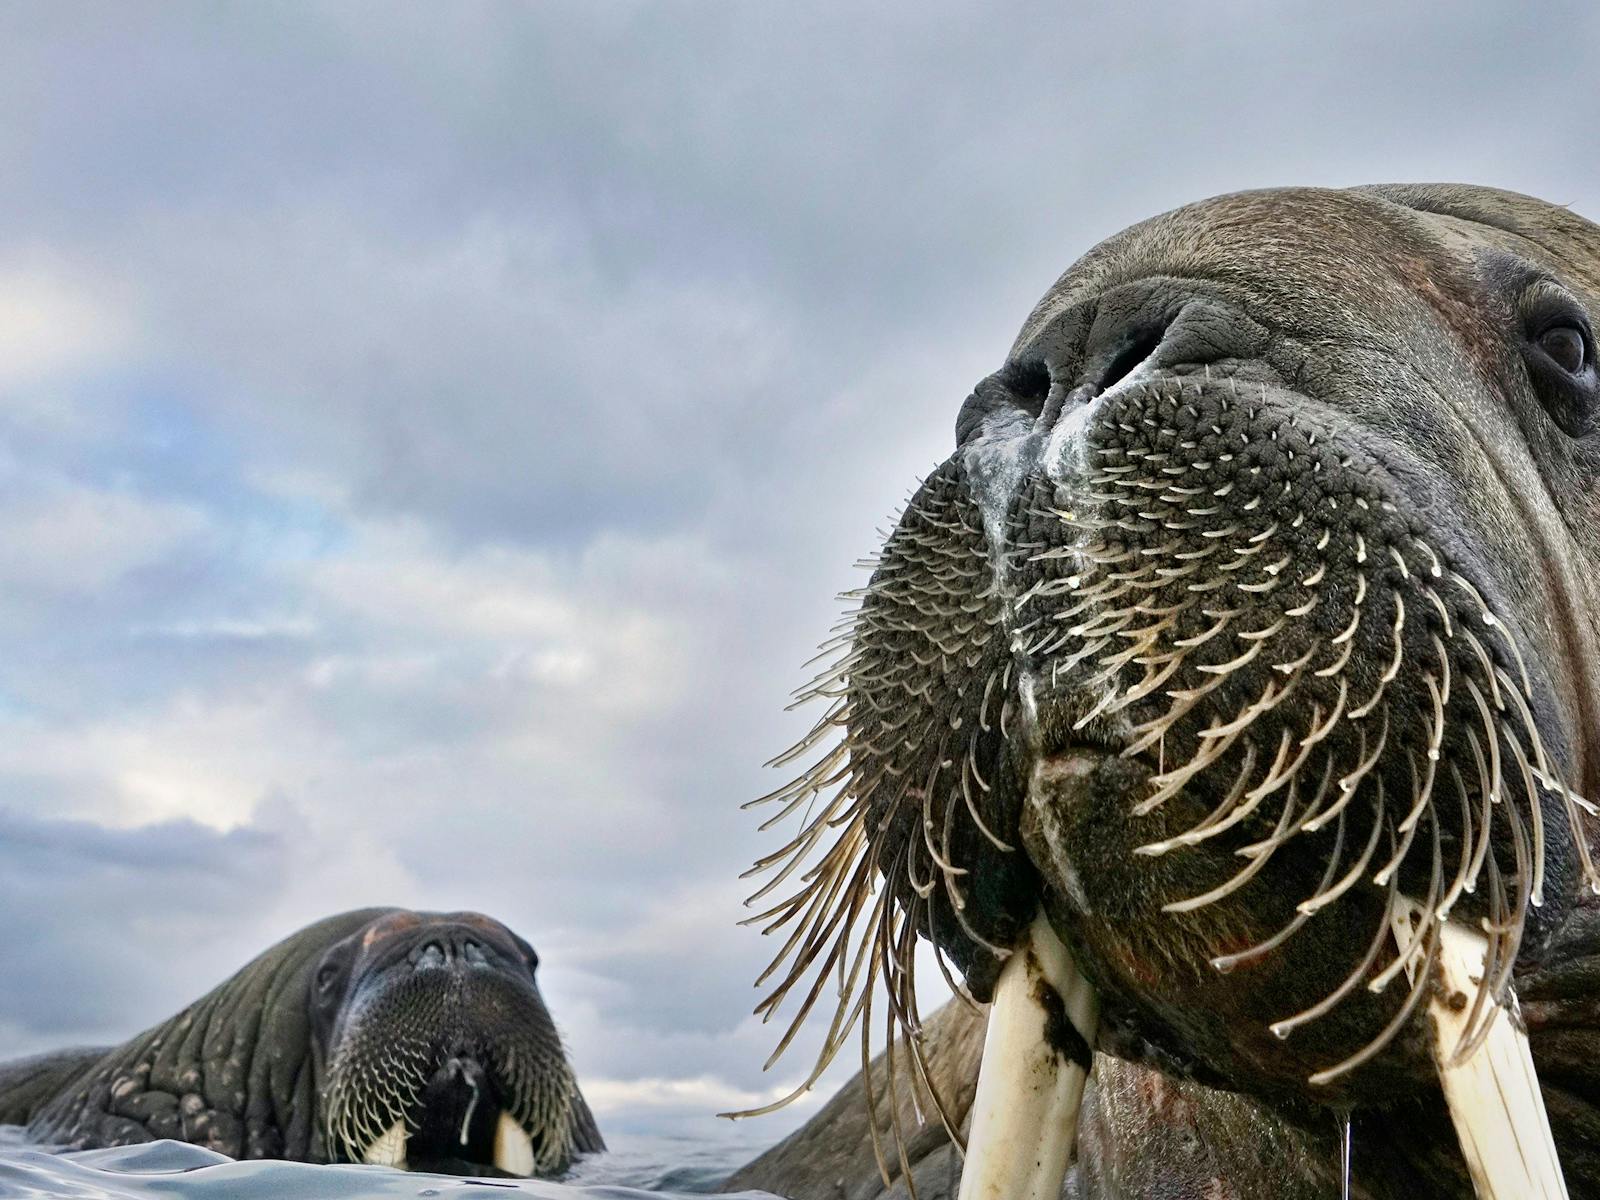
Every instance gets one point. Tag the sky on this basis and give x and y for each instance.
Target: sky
(433, 437)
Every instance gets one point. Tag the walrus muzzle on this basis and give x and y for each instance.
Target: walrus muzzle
(439, 1051)
(1241, 619)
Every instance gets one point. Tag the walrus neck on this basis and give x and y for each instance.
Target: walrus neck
(197, 1077)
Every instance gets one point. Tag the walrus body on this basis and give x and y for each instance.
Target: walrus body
(1259, 597)
(380, 1035)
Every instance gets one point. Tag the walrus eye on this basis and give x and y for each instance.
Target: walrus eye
(1566, 347)
(326, 976)
(1559, 354)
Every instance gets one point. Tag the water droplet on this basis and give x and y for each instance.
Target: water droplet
(1344, 1155)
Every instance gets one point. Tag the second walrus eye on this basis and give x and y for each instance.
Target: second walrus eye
(1566, 347)
(1559, 354)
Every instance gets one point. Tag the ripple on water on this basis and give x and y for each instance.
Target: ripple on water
(643, 1167)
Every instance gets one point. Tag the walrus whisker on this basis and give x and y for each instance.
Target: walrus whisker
(1170, 783)
(894, 1023)
(820, 935)
(1486, 792)
(1240, 783)
(891, 1071)
(819, 914)
(924, 1077)
(1231, 813)
(971, 769)
(1393, 669)
(1232, 885)
(1286, 1025)
(848, 1010)
(844, 919)
(1398, 1022)
(1536, 821)
(874, 1128)
(1491, 733)
(1329, 893)
(1524, 889)
(1419, 986)
(1223, 963)
(787, 860)
(1410, 951)
(1475, 1024)
(1351, 780)
(1183, 702)
(1409, 823)
(809, 794)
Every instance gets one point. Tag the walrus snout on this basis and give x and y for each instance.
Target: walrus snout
(1319, 692)
(439, 1051)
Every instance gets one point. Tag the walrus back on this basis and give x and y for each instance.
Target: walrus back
(27, 1084)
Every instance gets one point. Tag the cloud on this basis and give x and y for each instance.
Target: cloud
(107, 931)
(49, 324)
(61, 542)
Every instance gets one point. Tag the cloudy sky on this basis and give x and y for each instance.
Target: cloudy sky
(432, 436)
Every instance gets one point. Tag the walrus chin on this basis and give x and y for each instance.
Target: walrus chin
(1240, 647)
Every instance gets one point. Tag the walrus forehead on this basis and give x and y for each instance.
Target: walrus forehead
(1361, 274)
(1322, 258)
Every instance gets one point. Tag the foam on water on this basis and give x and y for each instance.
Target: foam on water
(639, 1167)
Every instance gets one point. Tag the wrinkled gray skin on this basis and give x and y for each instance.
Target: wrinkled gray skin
(1142, 1135)
(1350, 394)
(324, 1040)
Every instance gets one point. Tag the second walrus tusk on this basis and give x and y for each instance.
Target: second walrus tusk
(1493, 1097)
(1036, 1059)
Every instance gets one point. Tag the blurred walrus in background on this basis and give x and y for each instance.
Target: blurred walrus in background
(1247, 644)
(382, 1035)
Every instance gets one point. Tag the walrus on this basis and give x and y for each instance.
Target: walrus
(408, 1039)
(1246, 649)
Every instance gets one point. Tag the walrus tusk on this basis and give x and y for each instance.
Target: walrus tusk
(1036, 1059)
(388, 1149)
(513, 1148)
(1493, 1097)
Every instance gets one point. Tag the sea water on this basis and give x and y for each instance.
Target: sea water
(639, 1166)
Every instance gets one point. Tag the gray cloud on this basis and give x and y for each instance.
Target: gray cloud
(107, 930)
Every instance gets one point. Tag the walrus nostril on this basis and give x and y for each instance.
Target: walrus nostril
(1016, 388)
(431, 955)
(1138, 345)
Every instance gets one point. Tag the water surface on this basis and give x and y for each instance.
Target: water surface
(639, 1167)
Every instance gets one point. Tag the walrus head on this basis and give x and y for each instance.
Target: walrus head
(1261, 589)
(382, 1036)
(435, 1049)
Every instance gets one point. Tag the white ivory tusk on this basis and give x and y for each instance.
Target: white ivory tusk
(388, 1149)
(1025, 1111)
(1494, 1096)
(513, 1148)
